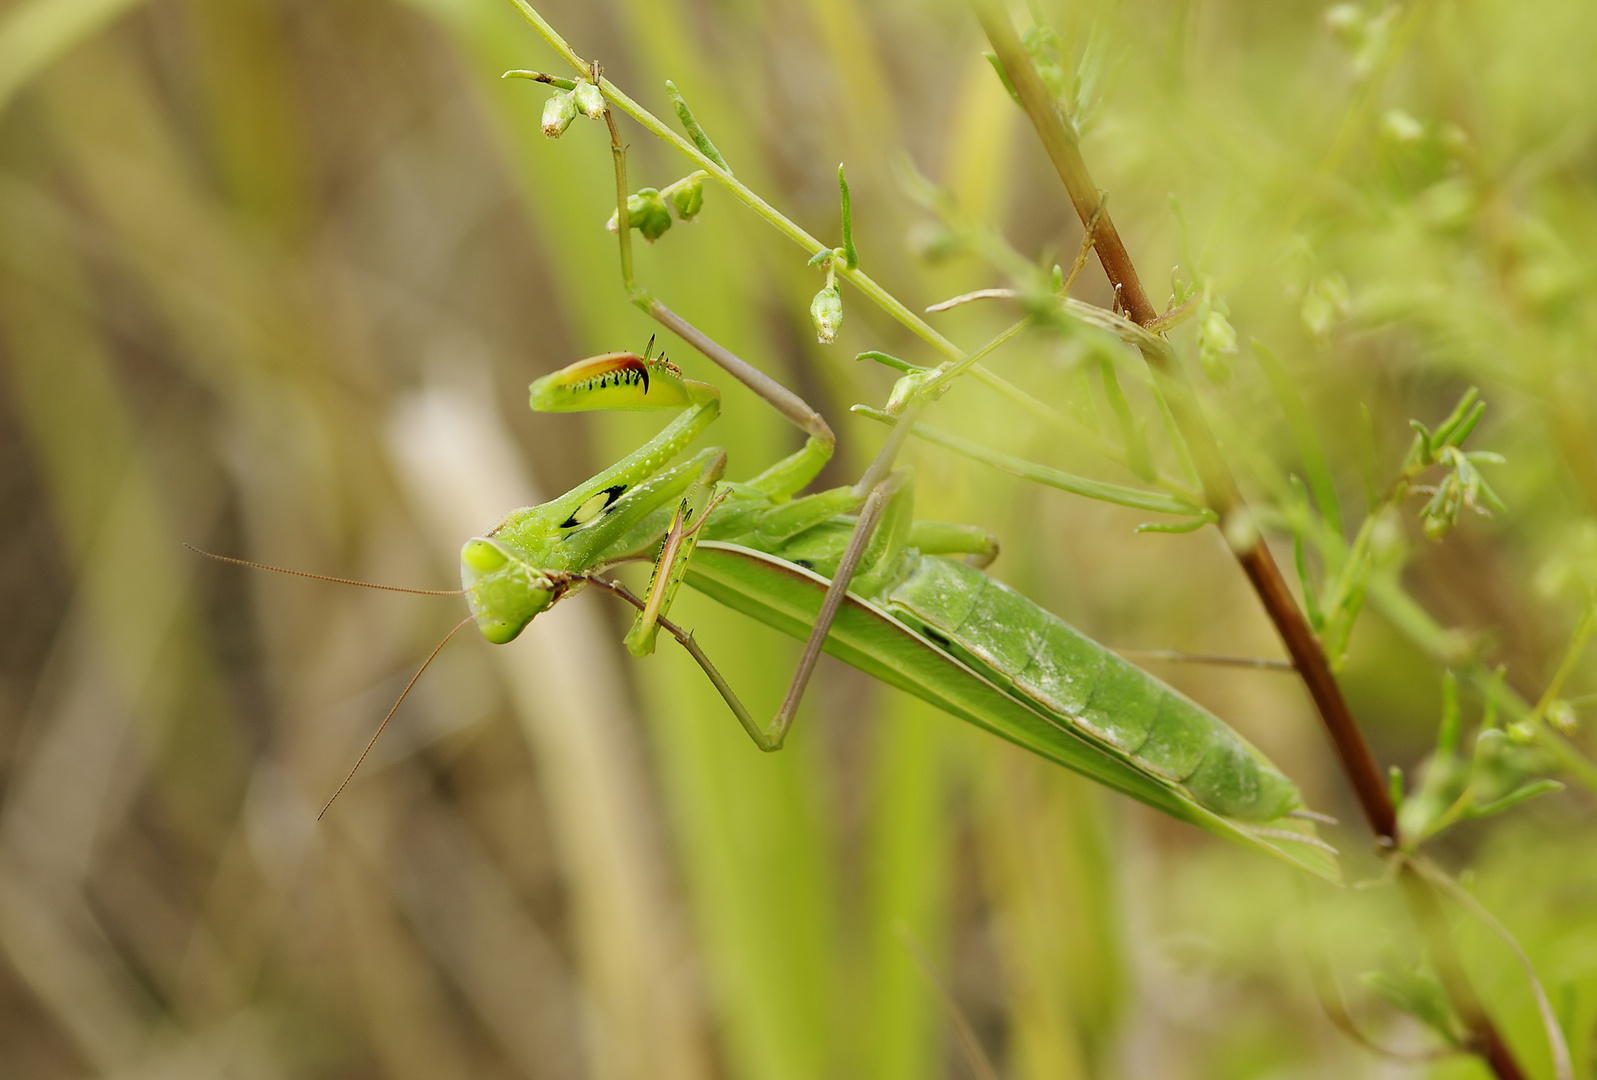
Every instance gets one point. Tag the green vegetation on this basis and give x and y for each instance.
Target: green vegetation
(274, 276)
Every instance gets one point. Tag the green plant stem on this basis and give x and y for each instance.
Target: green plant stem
(1247, 543)
(858, 278)
(1485, 1041)
(1577, 646)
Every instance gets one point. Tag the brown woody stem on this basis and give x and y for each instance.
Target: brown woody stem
(1060, 141)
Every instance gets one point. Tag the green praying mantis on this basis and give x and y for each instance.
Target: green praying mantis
(850, 570)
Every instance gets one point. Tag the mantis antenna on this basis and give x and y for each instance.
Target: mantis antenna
(323, 577)
(402, 695)
(363, 585)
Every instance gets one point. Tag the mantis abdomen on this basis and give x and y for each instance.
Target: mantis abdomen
(979, 651)
(1038, 657)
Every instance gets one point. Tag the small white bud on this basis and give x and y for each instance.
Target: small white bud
(826, 312)
(590, 99)
(558, 112)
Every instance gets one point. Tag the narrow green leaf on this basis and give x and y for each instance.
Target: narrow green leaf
(1514, 798)
(1208, 517)
(1447, 736)
(1133, 434)
(1003, 76)
(888, 360)
(1135, 498)
(1462, 411)
(1467, 426)
(691, 125)
(850, 255)
(1311, 602)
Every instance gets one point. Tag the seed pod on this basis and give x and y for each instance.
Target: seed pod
(688, 199)
(826, 311)
(590, 100)
(558, 112)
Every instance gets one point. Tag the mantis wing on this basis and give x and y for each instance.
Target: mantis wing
(866, 637)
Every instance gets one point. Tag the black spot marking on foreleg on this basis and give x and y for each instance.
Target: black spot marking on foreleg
(596, 504)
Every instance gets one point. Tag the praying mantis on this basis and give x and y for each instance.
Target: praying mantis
(851, 570)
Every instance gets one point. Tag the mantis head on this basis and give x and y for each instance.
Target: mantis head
(504, 592)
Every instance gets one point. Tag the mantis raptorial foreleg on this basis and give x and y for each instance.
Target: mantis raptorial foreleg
(635, 516)
(780, 481)
(672, 564)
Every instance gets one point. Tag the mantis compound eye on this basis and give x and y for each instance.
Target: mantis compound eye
(504, 593)
(482, 556)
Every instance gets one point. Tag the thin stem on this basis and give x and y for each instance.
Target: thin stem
(1577, 645)
(1137, 499)
(1426, 905)
(618, 155)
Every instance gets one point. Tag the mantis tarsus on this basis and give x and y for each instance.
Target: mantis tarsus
(910, 616)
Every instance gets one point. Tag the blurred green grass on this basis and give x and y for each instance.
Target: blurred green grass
(246, 245)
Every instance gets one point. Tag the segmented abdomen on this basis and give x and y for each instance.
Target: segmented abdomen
(1044, 661)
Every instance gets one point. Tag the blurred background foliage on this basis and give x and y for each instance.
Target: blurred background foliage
(274, 275)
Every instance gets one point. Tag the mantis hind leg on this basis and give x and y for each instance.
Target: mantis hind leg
(793, 473)
(946, 538)
(874, 545)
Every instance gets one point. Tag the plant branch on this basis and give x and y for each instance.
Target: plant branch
(1241, 531)
(1220, 488)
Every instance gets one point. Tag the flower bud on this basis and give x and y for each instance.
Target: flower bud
(590, 100)
(908, 387)
(1441, 513)
(1561, 714)
(1325, 303)
(826, 311)
(558, 112)
(688, 199)
(646, 212)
